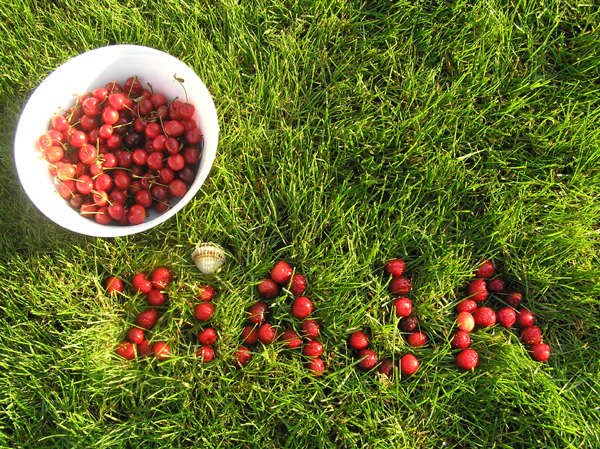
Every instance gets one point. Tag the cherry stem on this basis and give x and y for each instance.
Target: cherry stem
(131, 87)
(181, 81)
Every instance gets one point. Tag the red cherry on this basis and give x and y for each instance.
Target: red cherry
(310, 329)
(204, 311)
(394, 267)
(68, 191)
(281, 273)
(403, 307)
(158, 100)
(176, 162)
(177, 188)
(461, 340)
(66, 172)
(100, 93)
(90, 124)
(100, 198)
(257, 312)
(484, 317)
(145, 107)
(250, 334)
(88, 154)
(136, 214)
(496, 285)
(114, 285)
(359, 340)
(409, 364)
(161, 350)
(399, 285)
(186, 110)
(173, 128)
(207, 337)
(78, 139)
(59, 122)
(268, 289)
(467, 305)
(126, 350)
(117, 100)
(144, 349)
(267, 334)
(478, 290)
(298, 284)
(102, 217)
(290, 338)
(531, 335)
(506, 316)
(302, 307)
(242, 357)
(153, 130)
(84, 184)
(369, 359)
(110, 115)
(417, 339)
(172, 146)
(156, 298)
(514, 298)
(316, 365)
(524, 319)
(54, 154)
(104, 183)
(312, 349)
(139, 156)
(113, 86)
(45, 142)
(160, 278)
(467, 359)
(540, 352)
(193, 136)
(147, 319)
(116, 210)
(187, 174)
(387, 367)
(191, 155)
(132, 86)
(205, 353)
(205, 293)
(135, 335)
(141, 284)
(174, 110)
(88, 210)
(485, 270)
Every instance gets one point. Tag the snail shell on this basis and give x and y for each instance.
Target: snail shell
(208, 257)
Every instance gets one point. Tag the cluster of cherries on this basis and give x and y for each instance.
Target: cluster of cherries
(121, 150)
(471, 315)
(153, 287)
(282, 275)
(204, 312)
(399, 286)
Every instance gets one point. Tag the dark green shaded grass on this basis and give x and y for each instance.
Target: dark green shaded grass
(351, 133)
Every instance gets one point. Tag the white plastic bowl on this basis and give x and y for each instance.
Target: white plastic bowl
(82, 74)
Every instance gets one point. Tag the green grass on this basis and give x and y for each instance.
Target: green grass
(351, 132)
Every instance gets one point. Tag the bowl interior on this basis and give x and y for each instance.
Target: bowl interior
(82, 74)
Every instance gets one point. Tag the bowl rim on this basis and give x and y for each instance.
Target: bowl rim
(23, 141)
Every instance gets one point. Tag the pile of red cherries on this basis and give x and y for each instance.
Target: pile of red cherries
(121, 150)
